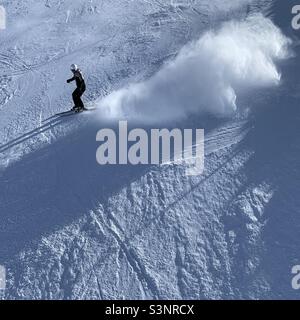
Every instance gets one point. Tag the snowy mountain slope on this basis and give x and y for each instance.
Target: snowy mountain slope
(73, 230)
(113, 46)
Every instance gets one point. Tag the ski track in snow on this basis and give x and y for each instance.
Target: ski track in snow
(72, 230)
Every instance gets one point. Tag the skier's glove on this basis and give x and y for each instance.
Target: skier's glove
(68, 81)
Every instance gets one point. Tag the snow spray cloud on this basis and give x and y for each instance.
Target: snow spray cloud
(206, 75)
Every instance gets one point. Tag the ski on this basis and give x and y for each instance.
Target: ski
(65, 113)
(70, 112)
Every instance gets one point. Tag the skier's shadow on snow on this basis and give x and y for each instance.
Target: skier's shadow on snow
(55, 186)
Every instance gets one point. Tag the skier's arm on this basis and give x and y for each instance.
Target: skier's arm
(70, 80)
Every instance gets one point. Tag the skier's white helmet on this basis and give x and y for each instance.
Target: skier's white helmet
(74, 67)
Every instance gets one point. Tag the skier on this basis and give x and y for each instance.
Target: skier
(80, 83)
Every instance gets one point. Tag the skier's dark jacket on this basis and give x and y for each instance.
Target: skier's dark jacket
(80, 83)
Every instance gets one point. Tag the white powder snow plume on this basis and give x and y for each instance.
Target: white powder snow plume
(206, 75)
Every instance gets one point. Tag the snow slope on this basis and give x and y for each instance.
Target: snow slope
(71, 229)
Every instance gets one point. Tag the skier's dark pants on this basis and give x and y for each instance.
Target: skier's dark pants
(77, 97)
